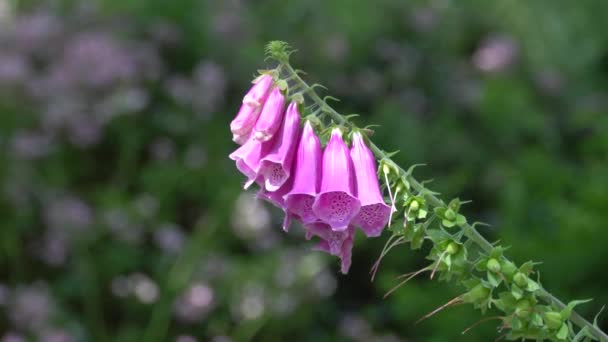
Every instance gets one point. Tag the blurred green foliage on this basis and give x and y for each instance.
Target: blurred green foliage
(124, 220)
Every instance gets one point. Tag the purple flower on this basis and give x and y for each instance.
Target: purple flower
(253, 101)
(277, 199)
(248, 158)
(374, 213)
(271, 116)
(306, 175)
(336, 203)
(338, 243)
(275, 167)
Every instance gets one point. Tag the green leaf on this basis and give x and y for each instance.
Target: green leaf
(567, 311)
(562, 334)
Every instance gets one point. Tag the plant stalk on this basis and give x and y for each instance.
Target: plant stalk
(469, 230)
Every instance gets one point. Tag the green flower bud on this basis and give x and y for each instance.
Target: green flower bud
(493, 265)
(450, 215)
(523, 308)
(520, 279)
(386, 169)
(508, 268)
(553, 319)
(477, 294)
(452, 248)
(414, 206)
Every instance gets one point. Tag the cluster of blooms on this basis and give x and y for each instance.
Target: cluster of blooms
(330, 191)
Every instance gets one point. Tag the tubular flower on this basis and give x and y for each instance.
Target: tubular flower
(247, 116)
(248, 158)
(275, 167)
(374, 213)
(335, 243)
(277, 199)
(336, 203)
(306, 175)
(271, 116)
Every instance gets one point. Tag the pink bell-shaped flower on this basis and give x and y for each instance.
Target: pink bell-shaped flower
(335, 243)
(374, 213)
(276, 166)
(245, 120)
(307, 176)
(277, 199)
(271, 116)
(248, 158)
(336, 203)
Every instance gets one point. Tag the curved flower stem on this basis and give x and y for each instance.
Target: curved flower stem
(469, 230)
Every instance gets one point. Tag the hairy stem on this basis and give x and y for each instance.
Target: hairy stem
(469, 230)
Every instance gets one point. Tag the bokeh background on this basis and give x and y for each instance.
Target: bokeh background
(122, 218)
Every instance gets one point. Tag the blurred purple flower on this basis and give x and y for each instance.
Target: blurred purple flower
(30, 145)
(55, 335)
(185, 338)
(13, 337)
(68, 213)
(96, 59)
(170, 238)
(14, 69)
(195, 157)
(53, 249)
(162, 149)
(31, 307)
(37, 31)
(210, 85)
(195, 303)
(146, 206)
(144, 288)
(496, 53)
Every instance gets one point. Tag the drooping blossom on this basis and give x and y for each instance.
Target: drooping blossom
(277, 199)
(337, 203)
(275, 167)
(271, 116)
(307, 176)
(374, 213)
(338, 243)
(252, 105)
(248, 158)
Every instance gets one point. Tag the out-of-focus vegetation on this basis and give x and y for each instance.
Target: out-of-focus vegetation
(123, 219)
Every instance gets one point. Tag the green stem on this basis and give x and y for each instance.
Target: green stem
(469, 230)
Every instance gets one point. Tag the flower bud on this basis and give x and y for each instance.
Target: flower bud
(520, 279)
(450, 215)
(493, 265)
(508, 268)
(477, 294)
(554, 320)
(452, 248)
(523, 308)
(414, 206)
